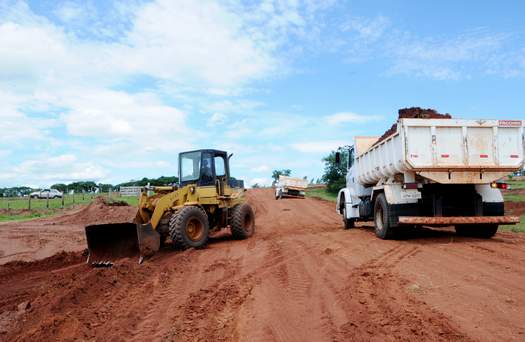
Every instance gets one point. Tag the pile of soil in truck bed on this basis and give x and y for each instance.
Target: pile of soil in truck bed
(414, 113)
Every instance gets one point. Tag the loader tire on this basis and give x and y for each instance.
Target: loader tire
(482, 231)
(189, 227)
(382, 219)
(243, 221)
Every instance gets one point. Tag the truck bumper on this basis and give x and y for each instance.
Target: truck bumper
(452, 220)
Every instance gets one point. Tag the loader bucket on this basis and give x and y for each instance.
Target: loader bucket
(109, 242)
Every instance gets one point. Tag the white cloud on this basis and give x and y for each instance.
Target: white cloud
(48, 170)
(324, 146)
(261, 168)
(113, 114)
(261, 181)
(69, 11)
(345, 117)
(216, 119)
(448, 58)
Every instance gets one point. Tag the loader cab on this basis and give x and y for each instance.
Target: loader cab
(204, 168)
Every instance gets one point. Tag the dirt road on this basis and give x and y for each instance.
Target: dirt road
(301, 278)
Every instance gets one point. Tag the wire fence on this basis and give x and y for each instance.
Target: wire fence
(28, 203)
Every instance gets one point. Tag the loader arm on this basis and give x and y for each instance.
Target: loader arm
(164, 204)
(152, 211)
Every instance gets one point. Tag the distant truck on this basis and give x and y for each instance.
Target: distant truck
(290, 187)
(46, 193)
(432, 172)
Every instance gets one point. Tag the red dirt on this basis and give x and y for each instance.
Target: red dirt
(515, 208)
(301, 277)
(413, 113)
(41, 238)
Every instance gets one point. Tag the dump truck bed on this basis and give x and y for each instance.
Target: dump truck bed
(445, 150)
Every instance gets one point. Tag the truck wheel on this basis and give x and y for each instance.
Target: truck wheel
(243, 221)
(483, 231)
(189, 228)
(348, 223)
(382, 214)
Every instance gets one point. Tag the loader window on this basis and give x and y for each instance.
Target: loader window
(207, 177)
(190, 166)
(220, 170)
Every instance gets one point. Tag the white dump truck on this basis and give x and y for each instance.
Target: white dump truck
(433, 172)
(290, 187)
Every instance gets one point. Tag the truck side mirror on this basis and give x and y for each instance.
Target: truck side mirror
(338, 158)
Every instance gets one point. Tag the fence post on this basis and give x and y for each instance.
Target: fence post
(73, 197)
(47, 201)
(29, 203)
(63, 200)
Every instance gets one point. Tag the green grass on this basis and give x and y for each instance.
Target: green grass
(16, 209)
(518, 228)
(26, 216)
(321, 193)
(131, 200)
(56, 203)
(513, 197)
(516, 184)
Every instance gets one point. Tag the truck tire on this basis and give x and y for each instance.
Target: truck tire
(347, 223)
(242, 222)
(482, 231)
(189, 227)
(382, 219)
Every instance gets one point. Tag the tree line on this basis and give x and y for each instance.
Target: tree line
(89, 186)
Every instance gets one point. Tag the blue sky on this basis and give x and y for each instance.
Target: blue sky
(113, 91)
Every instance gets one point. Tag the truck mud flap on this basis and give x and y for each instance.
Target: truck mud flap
(452, 220)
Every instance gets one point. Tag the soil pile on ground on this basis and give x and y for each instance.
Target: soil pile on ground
(100, 211)
(431, 285)
(414, 113)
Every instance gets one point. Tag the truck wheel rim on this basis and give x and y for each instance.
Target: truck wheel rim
(379, 219)
(194, 229)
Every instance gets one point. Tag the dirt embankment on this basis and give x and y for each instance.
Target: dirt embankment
(300, 278)
(41, 238)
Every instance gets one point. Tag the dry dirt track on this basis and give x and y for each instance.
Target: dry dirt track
(301, 278)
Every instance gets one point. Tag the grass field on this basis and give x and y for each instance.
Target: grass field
(321, 193)
(28, 215)
(516, 184)
(518, 228)
(17, 209)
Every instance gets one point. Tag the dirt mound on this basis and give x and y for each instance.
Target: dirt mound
(55, 261)
(353, 286)
(100, 211)
(414, 113)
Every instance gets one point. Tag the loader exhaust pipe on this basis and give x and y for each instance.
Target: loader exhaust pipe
(110, 242)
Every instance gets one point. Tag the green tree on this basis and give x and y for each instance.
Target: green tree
(256, 186)
(335, 174)
(283, 172)
(60, 187)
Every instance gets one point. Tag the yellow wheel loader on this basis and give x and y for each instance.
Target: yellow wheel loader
(206, 200)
